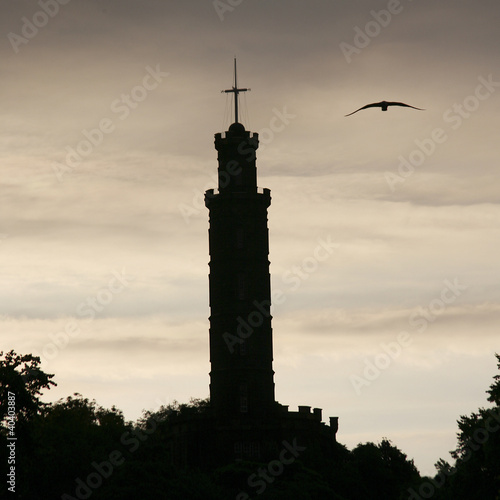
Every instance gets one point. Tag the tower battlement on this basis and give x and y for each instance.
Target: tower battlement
(236, 157)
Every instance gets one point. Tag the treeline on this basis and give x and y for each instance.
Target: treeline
(75, 449)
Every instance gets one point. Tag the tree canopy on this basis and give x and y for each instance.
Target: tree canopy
(475, 473)
(22, 376)
(74, 449)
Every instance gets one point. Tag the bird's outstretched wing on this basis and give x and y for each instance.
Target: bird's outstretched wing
(384, 105)
(372, 105)
(403, 104)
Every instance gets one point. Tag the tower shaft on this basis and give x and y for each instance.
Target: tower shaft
(241, 352)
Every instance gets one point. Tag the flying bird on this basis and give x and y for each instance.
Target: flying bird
(384, 105)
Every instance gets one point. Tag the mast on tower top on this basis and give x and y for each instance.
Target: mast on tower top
(236, 91)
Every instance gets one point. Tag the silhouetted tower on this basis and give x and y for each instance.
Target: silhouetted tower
(241, 352)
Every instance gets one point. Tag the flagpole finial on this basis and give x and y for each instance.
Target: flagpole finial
(236, 92)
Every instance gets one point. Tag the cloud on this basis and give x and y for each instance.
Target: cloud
(122, 206)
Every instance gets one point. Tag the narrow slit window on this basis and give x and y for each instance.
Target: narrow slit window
(243, 404)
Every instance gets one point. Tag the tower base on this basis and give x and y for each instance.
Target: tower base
(203, 441)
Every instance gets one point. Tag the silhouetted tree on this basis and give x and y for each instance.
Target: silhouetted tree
(21, 375)
(476, 472)
(175, 409)
(62, 443)
(494, 390)
(378, 471)
(21, 385)
(74, 449)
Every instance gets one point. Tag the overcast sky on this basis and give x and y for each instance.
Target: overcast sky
(106, 147)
